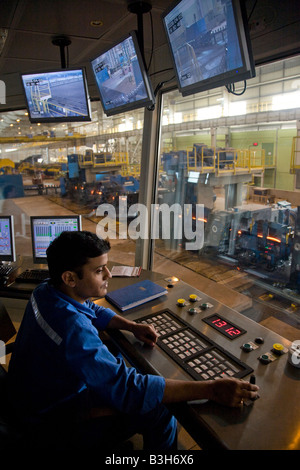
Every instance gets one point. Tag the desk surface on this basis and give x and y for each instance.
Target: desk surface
(23, 290)
(271, 422)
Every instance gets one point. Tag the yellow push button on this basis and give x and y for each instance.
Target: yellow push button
(193, 298)
(181, 302)
(278, 348)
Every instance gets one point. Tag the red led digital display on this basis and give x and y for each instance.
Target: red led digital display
(224, 326)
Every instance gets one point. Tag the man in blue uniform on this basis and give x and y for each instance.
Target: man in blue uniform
(67, 387)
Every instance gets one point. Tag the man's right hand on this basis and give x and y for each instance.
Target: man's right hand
(232, 392)
(226, 391)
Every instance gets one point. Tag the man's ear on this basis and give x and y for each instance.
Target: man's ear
(69, 278)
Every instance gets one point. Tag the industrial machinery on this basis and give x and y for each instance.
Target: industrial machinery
(262, 242)
(199, 156)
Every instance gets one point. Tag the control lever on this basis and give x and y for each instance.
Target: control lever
(249, 401)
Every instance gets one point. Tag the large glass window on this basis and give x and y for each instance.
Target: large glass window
(228, 160)
(228, 184)
(47, 170)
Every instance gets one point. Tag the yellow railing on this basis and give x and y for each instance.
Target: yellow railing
(103, 159)
(295, 155)
(227, 160)
(251, 158)
(120, 158)
(96, 160)
(229, 163)
(131, 170)
(85, 160)
(196, 160)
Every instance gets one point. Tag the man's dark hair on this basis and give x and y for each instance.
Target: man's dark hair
(71, 250)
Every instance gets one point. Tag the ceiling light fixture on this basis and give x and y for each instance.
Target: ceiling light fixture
(96, 23)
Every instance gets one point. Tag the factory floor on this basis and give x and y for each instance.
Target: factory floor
(251, 302)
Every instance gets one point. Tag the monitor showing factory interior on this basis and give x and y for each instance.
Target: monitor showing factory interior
(121, 77)
(45, 229)
(209, 44)
(57, 96)
(7, 239)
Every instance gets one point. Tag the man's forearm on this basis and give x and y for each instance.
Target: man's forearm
(179, 390)
(120, 323)
(226, 391)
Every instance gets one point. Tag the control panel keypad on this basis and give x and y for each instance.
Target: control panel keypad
(193, 351)
(212, 365)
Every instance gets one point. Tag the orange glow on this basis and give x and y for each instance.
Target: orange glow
(199, 218)
(274, 239)
(295, 442)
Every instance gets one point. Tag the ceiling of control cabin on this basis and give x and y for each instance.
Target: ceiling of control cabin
(27, 28)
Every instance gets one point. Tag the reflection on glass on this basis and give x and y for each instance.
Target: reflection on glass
(242, 166)
(70, 167)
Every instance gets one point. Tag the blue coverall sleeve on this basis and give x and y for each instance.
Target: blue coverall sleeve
(108, 376)
(103, 315)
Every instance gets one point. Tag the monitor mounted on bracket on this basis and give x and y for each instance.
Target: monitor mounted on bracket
(57, 96)
(7, 239)
(44, 229)
(209, 44)
(121, 77)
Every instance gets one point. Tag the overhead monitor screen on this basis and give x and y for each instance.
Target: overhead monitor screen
(121, 77)
(45, 229)
(209, 43)
(7, 239)
(57, 96)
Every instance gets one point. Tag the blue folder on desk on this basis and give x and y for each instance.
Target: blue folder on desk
(135, 294)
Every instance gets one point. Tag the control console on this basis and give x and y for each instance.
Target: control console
(204, 339)
(195, 305)
(197, 354)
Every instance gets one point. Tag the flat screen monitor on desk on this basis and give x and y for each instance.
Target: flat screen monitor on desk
(7, 239)
(45, 229)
